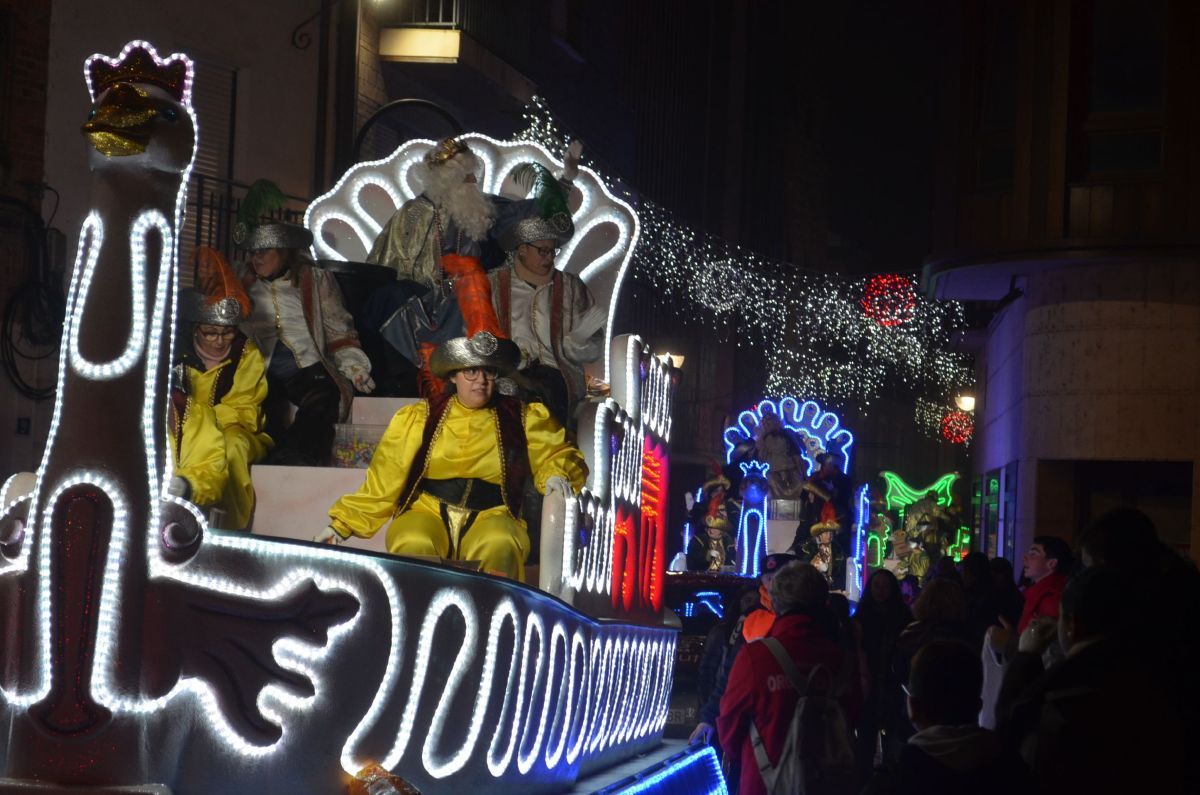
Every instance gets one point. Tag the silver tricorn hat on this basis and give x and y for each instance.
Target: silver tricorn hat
(278, 234)
(482, 350)
(195, 308)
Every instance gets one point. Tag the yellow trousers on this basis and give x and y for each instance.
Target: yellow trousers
(493, 537)
(242, 449)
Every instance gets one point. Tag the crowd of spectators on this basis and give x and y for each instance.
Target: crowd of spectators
(1077, 681)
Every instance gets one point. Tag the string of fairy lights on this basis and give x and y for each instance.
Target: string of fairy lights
(840, 340)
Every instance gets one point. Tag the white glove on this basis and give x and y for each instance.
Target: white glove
(560, 485)
(571, 159)
(179, 487)
(328, 536)
(689, 500)
(363, 383)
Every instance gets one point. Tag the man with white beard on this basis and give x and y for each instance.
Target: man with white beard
(434, 243)
(451, 216)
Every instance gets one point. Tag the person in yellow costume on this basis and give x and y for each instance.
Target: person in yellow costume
(449, 472)
(220, 387)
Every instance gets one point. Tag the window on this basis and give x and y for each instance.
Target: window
(209, 190)
(1127, 56)
(996, 131)
(994, 511)
(1118, 77)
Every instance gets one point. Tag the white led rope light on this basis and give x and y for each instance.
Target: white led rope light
(440, 768)
(576, 708)
(189, 70)
(506, 610)
(525, 760)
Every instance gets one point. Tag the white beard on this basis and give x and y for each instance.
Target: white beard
(471, 210)
(468, 207)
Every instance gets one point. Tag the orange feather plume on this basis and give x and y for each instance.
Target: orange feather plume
(474, 294)
(216, 279)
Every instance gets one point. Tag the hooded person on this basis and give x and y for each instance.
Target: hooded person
(449, 472)
(435, 244)
(220, 376)
(550, 314)
(300, 323)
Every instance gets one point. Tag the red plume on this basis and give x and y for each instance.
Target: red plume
(216, 279)
(474, 294)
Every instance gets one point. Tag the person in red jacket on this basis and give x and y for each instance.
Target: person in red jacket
(760, 691)
(1047, 564)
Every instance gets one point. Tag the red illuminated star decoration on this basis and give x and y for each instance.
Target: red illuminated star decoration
(889, 299)
(957, 427)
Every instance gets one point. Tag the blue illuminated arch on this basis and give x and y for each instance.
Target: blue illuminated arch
(820, 431)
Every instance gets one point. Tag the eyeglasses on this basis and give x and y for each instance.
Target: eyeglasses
(475, 373)
(216, 335)
(545, 252)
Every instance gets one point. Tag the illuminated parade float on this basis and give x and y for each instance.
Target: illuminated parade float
(151, 643)
(144, 646)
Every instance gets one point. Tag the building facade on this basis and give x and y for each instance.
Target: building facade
(1068, 204)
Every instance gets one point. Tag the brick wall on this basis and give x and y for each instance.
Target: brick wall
(24, 48)
(372, 92)
(24, 45)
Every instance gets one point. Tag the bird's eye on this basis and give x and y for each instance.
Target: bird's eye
(170, 114)
(91, 114)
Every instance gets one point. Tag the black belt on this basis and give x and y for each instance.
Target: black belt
(470, 493)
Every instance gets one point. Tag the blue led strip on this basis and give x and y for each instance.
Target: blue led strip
(713, 601)
(862, 517)
(752, 541)
(696, 770)
(820, 431)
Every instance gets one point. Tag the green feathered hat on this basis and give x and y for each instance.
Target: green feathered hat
(543, 216)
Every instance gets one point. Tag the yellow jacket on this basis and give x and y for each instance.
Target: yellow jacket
(199, 451)
(467, 447)
(221, 440)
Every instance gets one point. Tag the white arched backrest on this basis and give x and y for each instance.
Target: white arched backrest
(346, 220)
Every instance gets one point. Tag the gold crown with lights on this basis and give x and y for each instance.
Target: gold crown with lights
(139, 65)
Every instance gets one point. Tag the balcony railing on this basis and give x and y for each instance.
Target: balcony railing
(212, 211)
(429, 14)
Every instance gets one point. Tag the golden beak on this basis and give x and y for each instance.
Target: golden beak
(121, 124)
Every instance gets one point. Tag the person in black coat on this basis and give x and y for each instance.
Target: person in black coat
(1103, 719)
(983, 606)
(879, 620)
(1004, 586)
(940, 613)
